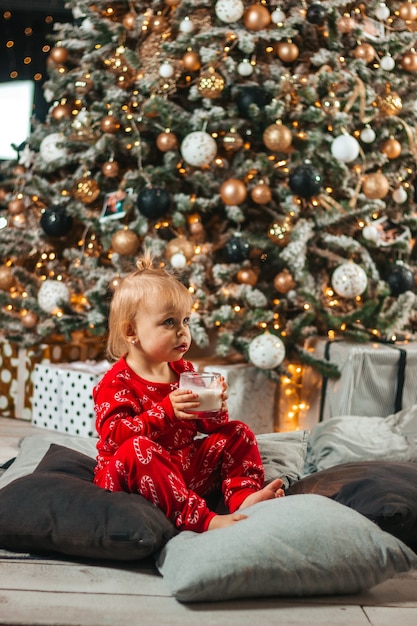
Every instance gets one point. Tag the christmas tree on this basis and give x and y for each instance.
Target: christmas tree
(265, 151)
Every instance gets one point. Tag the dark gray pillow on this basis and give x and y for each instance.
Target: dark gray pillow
(58, 508)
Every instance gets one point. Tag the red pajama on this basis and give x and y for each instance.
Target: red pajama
(143, 448)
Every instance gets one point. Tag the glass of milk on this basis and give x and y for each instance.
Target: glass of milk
(208, 385)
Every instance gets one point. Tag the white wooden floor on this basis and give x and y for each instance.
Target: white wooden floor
(66, 593)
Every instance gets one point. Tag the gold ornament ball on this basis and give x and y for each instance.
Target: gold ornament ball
(364, 51)
(261, 194)
(409, 62)
(408, 11)
(179, 245)
(284, 282)
(345, 24)
(232, 141)
(210, 84)
(390, 103)
(29, 319)
(166, 141)
(256, 17)
(16, 206)
(129, 20)
(375, 186)
(125, 242)
(247, 276)
(84, 84)
(7, 280)
(59, 54)
(233, 191)
(61, 111)
(159, 24)
(191, 61)
(86, 190)
(277, 137)
(110, 169)
(279, 232)
(172, 3)
(287, 51)
(391, 148)
(109, 124)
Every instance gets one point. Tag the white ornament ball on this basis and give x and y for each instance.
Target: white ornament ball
(49, 149)
(345, 148)
(387, 63)
(370, 232)
(266, 351)
(178, 260)
(166, 70)
(229, 11)
(399, 195)
(51, 293)
(198, 148)
(245, 68)
(278, 16)
(349, 280)
(382, 12)
(186, 26)
(368, 135)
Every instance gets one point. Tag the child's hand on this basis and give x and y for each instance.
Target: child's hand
(183, 401)
(224, 395)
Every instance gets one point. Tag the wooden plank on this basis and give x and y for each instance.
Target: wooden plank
(47, 609)
(379, 616)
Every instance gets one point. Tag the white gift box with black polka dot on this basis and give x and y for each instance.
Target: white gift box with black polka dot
(62, 397)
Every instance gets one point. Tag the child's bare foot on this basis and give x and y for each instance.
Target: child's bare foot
(221, 521)
(273, 490)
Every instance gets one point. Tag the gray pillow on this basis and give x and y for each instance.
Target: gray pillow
(282, 453)
(300, 545)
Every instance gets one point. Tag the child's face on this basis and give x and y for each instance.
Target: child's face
(162, 333)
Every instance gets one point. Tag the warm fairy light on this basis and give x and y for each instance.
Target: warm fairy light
(306, 307)
(329, 292)
(331, 334)
(236, 308)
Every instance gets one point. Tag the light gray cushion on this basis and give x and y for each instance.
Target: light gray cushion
(282, 453)
(300, 545)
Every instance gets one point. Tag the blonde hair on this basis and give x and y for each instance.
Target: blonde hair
(136, 289)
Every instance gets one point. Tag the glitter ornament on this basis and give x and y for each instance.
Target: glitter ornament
(52, 294)
(349, 280)
(345, 148)
(266, 351)
(390, 103)
(125, 242)
(210, 84)
(198, 149)
(279, 232)
(375, 186)
(233, 191)
(52, 147)
(229, 11)
(232, 141)
(277, 137)
(86, 190)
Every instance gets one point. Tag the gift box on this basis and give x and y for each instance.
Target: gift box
(62, 398)
(376, 380)
(17, 367)
(252, 395)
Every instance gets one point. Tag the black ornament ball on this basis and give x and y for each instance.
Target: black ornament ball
(400, 279)
(153, 202)
(415, 190)
(236, 249)
(305, 181)
(316, 14)
(55, 221)
(250, 95)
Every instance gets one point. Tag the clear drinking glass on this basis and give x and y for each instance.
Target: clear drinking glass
(208, 386)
